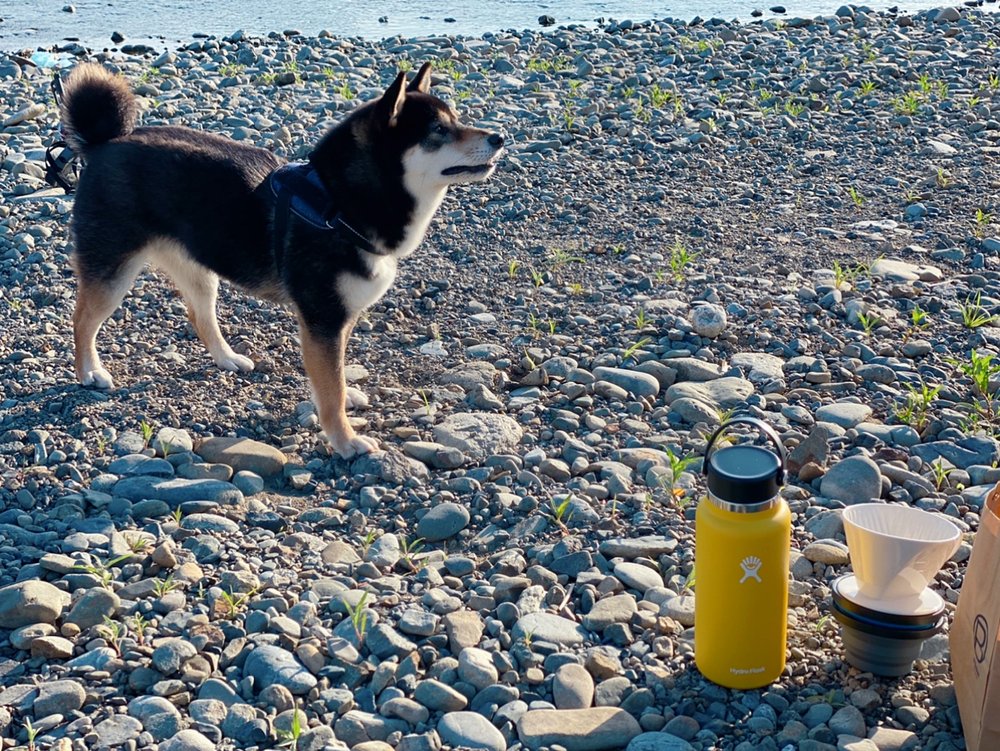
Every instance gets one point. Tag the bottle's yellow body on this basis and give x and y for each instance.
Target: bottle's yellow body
(741, 593)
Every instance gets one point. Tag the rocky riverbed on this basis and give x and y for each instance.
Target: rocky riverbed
(794, 220)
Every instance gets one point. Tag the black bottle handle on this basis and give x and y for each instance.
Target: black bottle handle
(764, 428)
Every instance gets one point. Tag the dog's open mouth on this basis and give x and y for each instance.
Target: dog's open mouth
(469, 169)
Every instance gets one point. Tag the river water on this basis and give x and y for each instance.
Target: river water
(169, 23)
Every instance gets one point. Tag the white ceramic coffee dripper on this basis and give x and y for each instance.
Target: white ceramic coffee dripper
(896, 551)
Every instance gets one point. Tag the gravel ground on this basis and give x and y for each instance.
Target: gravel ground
(790, 219)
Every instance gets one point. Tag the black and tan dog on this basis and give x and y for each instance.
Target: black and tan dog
(323, 237)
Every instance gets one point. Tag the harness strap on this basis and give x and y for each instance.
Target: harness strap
(62, 164)
(297, 189)
(62, 169)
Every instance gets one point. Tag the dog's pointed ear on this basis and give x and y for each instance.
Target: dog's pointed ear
(421, 82)
(391, 103)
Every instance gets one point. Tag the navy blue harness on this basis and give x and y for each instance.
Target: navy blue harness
(297, 189)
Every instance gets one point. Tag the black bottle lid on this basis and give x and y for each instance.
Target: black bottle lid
(744, 474)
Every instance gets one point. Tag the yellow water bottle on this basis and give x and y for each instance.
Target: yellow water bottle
(742, 543)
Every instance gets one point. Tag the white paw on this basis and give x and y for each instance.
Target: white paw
(356, 398)
(234, 362)
(354, 446)
(98, 378)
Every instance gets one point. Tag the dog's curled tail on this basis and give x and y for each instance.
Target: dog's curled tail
(97, 106)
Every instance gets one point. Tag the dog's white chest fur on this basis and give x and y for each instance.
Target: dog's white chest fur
(358, 293)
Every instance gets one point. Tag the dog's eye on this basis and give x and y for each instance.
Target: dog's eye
(441, 129)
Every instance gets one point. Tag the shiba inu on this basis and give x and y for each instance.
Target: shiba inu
(323, 237)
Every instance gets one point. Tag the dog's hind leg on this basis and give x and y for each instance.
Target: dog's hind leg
(200, 288)
(96, 300)
(324, 360)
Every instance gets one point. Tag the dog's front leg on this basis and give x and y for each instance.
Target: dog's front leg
(324, 357)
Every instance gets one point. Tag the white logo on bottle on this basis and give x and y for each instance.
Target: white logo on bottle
(751, 566)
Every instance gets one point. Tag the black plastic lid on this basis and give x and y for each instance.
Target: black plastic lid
(887, 629)
(744, 474)
(876, 617)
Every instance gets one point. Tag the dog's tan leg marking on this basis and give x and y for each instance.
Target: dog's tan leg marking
(200, 289)
(324, 361)
(96, 300)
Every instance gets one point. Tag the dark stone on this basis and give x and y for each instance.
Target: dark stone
(546, 20)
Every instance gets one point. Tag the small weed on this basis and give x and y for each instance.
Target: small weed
(534, 325)
(569, 119)
(919, 320)
(689, 582)
(537, 277)
(981, 369)
(177, 515)
(112, 632)
(821, 623)
(918, 405)
(678, 465)
(137, 544)
(856, 197)
(576, 289)
(867, 87)
(163, 586)
(680, 259)
(993, 82)
(869, 322)
(234, 603)
(149, 75)
(512, 268)
(103, 571)
(268, 79)
(974, 315)
(359, 615)
(793, 108)
(908, 103)
(983, 220)
(531, 361)
(641, 321)
(366, 543)
(230, 70)
(561, 512)
(942, 179)
(290, 738)
(842, 275)
(558, 258)
(139, 624)
(428, 407)
(631, 350)
(411, 548)
(32, 732)
(405, 65)
(940, 473)
(146, 429)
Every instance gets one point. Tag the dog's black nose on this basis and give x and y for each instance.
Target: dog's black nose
(495, 140)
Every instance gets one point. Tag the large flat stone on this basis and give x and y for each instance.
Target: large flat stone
(31, 602)
(593, 729)
(479, 435)
(243, 454)
(177, 491)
